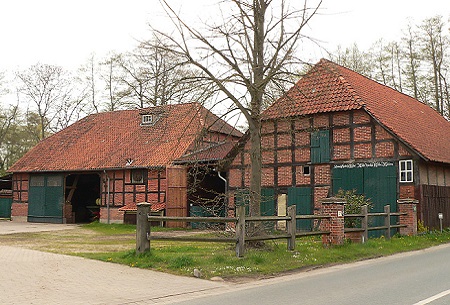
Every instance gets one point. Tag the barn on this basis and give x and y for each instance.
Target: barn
(336, 129)
(102, 165)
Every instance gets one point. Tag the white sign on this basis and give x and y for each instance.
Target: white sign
(364, 164)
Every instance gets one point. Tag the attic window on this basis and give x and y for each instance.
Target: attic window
(137, 176)
(148, 119)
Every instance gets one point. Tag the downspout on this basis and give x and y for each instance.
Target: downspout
(107, 197)
(226, 191)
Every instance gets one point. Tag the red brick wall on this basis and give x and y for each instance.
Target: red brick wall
(115, 216)
(363, 133)
(341, 135)
(363, 151)
(285, 176)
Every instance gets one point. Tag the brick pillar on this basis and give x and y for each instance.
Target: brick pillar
(333, 207)
(408, 206)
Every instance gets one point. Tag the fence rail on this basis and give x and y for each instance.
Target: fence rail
(143, 231)
(365, 228)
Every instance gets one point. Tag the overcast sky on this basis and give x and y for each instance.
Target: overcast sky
(65, 32)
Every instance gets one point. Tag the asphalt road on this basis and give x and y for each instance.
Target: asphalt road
(421, 277)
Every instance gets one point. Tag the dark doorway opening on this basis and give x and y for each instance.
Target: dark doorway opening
(206, 194)
(83, 192)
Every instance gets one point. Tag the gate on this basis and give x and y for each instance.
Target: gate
(46, 198)
(434, 200)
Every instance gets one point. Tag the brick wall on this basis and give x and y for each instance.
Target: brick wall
(19, 212)
(115, 216)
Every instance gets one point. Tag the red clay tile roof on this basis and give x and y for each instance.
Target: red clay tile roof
(328, 87)
(213, 152)
(107, 140)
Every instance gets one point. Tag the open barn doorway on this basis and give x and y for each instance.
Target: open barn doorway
(83, 193)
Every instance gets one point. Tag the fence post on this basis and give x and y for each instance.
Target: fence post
(292, 226)
(240, 231)
(387, 221)
(142, 227)
(365, 223)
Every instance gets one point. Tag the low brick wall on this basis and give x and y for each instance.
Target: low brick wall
(19, 212)
(115, 216)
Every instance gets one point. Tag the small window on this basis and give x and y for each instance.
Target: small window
(147, 119)
(54, 181)
(37, 181)
(406, 170)
(137, 176)
(306, 170)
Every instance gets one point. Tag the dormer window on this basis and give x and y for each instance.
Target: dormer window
(147, 119)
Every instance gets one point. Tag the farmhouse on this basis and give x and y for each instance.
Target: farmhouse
(104, 164)
(336, 129)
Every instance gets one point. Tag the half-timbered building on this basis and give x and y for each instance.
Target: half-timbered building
(336, 129)
(104, 164)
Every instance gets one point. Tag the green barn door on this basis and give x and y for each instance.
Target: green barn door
(301, 198)
(46, 198)
(377, 183)
(380, 186)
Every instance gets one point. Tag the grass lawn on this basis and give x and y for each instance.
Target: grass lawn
(116, 243)
(219, 259)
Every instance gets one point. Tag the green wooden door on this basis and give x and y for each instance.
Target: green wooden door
(267, 207)
(376, 183)
(267, 202)
(5, 206)
(46, 198)
(301, 198)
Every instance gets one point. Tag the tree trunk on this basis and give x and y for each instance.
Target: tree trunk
(256, 164)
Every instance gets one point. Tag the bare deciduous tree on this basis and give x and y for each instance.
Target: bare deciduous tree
(251, 48)
(46, 88)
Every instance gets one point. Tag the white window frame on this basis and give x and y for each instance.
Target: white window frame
(147, 119)
(406, 171)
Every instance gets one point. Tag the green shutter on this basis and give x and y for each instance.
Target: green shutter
(320, 146)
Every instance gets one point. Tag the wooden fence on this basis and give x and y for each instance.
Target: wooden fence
(365, 225)
(143, 231)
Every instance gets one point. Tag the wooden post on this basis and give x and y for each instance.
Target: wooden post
(142, 227)
(365, 223)
(240, 231)
(292, 226)
(387, 221)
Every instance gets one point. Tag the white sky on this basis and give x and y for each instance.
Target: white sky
(66, 32)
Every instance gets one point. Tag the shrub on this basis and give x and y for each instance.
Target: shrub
(353, 206)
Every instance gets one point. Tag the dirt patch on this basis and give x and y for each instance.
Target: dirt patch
(79, 240)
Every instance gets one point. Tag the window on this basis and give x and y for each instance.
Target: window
(147, 119)
(137, 176)
(406, 170)
(37, 181)
(150, 119)
(306, 170)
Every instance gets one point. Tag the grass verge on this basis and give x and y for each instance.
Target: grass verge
(218, 259)
(115, 243)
